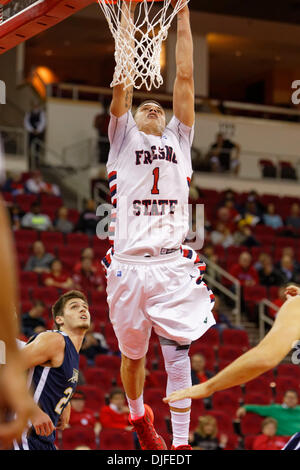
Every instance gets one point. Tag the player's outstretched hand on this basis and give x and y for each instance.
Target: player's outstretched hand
(197, 391)
(42, 423)
(291, 291)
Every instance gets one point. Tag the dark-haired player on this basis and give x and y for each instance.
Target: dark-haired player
(54, 357)
(152, 280)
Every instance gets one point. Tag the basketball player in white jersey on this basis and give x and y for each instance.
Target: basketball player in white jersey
(283, 336)
(14, 396)
(152, 281)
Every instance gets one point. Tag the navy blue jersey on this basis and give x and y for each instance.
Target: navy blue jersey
(53, 388)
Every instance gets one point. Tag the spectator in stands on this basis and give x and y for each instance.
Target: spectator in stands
(259, 263)
(209, 252)
(94, 343)
(288, 270)
(16, 216)
(14, 184)
(199, 373)
(61, 222)
(287, 414)
(205, 435)
(37, 185)
(249, 215)
(293, 220)
(224, 155)
(253, 197)
(244, 271)
(35, 125)
(35, 220)
(279, 301)
(33, 322)
(115, 415)
(222, 321)
(268, 440)
(39, 261)
(89, 253)
(88, 278)
(271, 219)
(289, 251)
(88, 220)
(80, 414)
(57, 277)
(224, 215)
(244, 237)
(222, 236)
(268, 275)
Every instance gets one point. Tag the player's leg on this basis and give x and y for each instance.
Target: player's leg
(178, 368)
(133, 379)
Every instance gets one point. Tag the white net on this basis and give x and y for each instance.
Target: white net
(138, 39)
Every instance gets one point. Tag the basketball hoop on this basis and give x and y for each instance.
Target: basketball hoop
(138, 64)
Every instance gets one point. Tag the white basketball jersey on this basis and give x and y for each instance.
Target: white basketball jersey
(149, 179)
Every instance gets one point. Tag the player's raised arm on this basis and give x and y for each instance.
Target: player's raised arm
(266, 355)
(122, 97)
(184, 89)
(46, 350)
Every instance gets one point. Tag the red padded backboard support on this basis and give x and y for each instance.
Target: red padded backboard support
(37, 19)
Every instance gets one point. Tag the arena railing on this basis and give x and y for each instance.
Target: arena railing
(14, 140)
(77, 92)
(214, 281)
(264, 319)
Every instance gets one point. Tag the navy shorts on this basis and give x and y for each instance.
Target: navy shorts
(33, 443)
(294, 443)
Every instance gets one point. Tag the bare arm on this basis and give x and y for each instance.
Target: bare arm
(266, 355)
(122, 98)
(46, 349)
(184, 89)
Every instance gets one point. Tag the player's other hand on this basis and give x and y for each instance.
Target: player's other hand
(42, 423)
(174, 3)
(197, 391)
(64, 418)
(291, 291)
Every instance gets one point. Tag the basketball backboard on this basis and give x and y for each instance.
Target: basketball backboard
(23, 19)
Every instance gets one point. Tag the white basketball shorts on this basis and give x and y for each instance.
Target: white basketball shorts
(165, 292)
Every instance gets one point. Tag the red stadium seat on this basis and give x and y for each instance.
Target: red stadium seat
(82, 362)
(99, 312)
(251, 424)
(260, 383)
(100, 377)
(258, 398)
(225, 401)
(111, 362)
(153, 397)
(52, 237)
(211, 338)
(224, 421)
(95, 396)
(48, 295)
(255, 293)
(77, 436)
(285, 383)
(29, 279)
(249, 440)
(116, 439)
(229, 353)
(97, 297)
(26, 236)
(78, 240)
(232, 337)
(233, 442)
(24, 201)
(288, 370)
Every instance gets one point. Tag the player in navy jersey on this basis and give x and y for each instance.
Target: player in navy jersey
(283, 336)
(54, 359)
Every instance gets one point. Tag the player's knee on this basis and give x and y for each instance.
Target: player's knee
(132, 365)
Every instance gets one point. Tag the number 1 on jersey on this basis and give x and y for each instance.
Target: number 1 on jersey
(155, 189)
